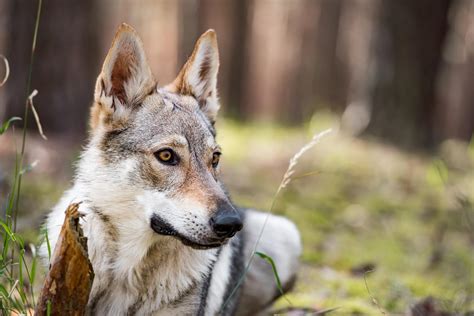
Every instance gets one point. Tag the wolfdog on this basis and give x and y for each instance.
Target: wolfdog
(163, 235)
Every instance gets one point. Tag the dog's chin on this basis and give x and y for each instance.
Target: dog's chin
(163, 228)
(200, 246)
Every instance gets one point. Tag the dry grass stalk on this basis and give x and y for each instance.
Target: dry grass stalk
(294, 160)
(7, 70)
(287, 177)
(35, 113)
(372, 298)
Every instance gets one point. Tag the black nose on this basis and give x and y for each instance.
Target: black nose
(226, 223)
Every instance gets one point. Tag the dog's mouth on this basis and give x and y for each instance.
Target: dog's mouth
(163, 228)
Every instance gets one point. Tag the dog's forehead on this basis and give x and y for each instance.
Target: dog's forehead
(167, 114)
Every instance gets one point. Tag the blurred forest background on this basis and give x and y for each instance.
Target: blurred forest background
(394, 190)
(400, 70)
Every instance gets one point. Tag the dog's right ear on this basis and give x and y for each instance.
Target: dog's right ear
(125, 78)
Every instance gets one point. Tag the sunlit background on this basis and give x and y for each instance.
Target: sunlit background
(390, 191)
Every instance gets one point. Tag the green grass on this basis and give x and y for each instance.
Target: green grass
(17, 271)
(366, 203)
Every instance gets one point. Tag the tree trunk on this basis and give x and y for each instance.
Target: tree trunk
(65, 64)
(454, 93)
(410, 38)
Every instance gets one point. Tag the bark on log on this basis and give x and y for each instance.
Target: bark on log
(69, 280)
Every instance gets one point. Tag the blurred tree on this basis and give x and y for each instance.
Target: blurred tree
(399, 70)
(454, 117)
(304, 86)
(356, 39)
(273, 46)
(280, 74)
(409, 40)
(65, 65)
(329, 88)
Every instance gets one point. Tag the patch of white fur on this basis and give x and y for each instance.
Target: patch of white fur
(102, 96)
(211, 107)
(221, 274)
(210, 142)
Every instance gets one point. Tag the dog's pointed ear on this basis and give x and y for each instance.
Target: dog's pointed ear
(126, 77)
(198, 77)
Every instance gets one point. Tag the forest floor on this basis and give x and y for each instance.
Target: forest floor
(365, 206)
(361, 206)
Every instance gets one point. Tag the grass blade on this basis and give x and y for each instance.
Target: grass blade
(32, 275)
(6, 125)
(275, 272)
(48, 308)
(48, 245)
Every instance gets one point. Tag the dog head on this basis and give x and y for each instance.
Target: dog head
(154, 149)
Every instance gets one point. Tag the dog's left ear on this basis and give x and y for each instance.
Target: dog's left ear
(198, 77)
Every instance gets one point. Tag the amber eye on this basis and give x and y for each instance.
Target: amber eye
(215, 159)
(167, 156)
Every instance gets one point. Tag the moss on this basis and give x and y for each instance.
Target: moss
(364, 203)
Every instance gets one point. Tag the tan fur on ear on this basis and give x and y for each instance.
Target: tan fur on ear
(198, 77)
(125, 78)
(94, 116)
